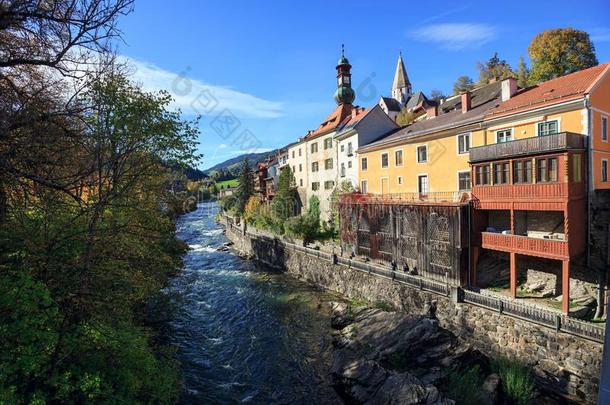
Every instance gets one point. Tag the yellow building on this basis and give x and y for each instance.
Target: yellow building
(431, 155)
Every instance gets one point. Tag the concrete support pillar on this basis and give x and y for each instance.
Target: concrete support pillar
(565, 286)
(513, 275)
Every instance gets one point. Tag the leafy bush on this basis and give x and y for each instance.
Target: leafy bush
(252, 209)
(228, 203)
(314, 207)
(303, 227)
(517, 380)
(464, 385)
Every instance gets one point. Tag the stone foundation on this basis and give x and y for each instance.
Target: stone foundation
(564, 365)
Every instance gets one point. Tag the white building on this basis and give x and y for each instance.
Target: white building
(297, 160)
(322, 165)
(362, 128)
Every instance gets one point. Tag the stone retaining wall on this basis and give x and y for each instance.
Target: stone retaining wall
(563, 363)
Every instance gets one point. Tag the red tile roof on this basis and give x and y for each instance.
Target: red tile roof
(564, 88)
(332, 121)
(357, 114)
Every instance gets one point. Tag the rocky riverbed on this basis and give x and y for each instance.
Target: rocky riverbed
(385, 357)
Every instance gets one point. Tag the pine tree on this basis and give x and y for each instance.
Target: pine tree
(494, 68)
(523, 74)
(245, 189)
(285, 202)
(462, 84)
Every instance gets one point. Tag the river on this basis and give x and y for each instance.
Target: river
(245, 333)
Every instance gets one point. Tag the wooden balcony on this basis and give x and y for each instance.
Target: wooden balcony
(548, 248)
(527, 192)
(528, 146)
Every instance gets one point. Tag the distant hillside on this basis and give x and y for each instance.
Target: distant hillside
(234, 163)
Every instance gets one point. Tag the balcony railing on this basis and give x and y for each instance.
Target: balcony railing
(528, 146)
(455, 197)
(510, 192)
(552, 249)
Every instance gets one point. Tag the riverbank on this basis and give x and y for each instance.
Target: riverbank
(563, 364)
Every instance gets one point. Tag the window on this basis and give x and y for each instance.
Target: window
(314, 147)
(364, 163)
(463, 143)
(301, 182)
(315, 186)
(398, 157)
(342, 148)
(422, 154)
(384, 160)
(522, 171)
(300, 167)
(422, 184)
(314, 167)
(294, 169)
(605, 170)
(342, 169)
(293, 154)
(501, 173)
(328, 143)
(546, 170)
(364, 187)
(577, 168)
(299, 151)
(350, 151)
(604, 129)
(464, 183)
(328, 164)
(548, 128)
(328, 185)
(482, 175)
(505, 135)
(399, 180)
(349, 164)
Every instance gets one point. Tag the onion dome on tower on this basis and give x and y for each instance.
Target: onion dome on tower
(344, 94)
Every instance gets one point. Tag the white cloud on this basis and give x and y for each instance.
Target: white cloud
(222, 146)
(193, 96)
(455, 36)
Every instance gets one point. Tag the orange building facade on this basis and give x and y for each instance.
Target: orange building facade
(542, 172)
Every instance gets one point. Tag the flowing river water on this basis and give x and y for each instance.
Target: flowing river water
(245, 333)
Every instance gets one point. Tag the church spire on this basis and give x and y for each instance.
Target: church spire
(401, 87)
(344, 94)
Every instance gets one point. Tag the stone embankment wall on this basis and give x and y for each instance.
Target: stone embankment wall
(563, 364)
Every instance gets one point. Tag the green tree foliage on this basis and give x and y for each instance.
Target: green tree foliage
(285, 202)
(245, 189)
(437, 95)
(462, 84)
(494, 68)
(80, 261)
(523, 74)
(558, 52)
(406, 117)
(306, 226)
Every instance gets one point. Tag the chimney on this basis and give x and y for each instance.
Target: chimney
(354, 112)
(431, 111)
(509, 88)
(466, 102)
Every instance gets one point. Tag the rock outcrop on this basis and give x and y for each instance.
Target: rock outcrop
(391, 358)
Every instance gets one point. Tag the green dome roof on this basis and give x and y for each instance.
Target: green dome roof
(343, 61)
(345, 95)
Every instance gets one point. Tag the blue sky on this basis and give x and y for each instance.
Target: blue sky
(263, 72)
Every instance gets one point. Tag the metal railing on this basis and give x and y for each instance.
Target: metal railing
(503, 305)
(527, 146)
(534, 314)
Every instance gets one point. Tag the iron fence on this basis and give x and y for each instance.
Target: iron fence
(502, 305)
